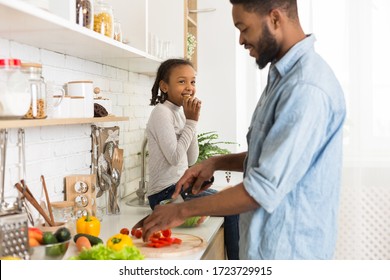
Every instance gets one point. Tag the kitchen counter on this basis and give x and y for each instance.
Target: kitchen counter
(111, 224)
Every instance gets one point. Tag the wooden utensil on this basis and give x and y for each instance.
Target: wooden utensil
(47, 199)
(28, 195)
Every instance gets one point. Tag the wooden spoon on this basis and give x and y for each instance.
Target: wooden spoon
(47, 199)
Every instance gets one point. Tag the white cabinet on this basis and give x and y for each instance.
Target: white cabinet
(36, 27)
(132, 15)
(149, 25)
(166, 21)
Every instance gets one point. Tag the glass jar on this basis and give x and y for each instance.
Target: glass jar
(14, 94)
(38, 104)
(103, 20)
(84, 13)
(117, 31)
(63, 212)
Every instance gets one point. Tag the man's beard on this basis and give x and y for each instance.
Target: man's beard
(267, 48)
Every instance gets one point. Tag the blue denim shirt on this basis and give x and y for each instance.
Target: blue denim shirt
(294, 160)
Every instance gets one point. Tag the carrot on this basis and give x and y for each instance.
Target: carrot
(83, 242)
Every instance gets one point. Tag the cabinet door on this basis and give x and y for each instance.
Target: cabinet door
(166, 23)
(133, 18)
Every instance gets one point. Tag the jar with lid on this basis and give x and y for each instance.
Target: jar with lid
(84, 13)
(38, 104)
(103, 20)
(14, 93)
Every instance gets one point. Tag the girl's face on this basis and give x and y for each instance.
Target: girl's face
(181, 83)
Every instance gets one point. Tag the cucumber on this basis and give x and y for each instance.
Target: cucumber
(92, 239)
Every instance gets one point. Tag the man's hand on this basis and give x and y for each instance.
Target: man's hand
(195, 176)
(163, 217)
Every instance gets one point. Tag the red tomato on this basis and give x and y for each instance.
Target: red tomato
(166, 232)
(138, 233)
(125, 231)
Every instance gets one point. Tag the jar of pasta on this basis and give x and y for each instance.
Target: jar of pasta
(103, 20)
(38, 105)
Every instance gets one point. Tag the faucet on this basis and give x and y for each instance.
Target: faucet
(143, 184)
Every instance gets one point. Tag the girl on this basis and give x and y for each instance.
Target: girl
(172, 138)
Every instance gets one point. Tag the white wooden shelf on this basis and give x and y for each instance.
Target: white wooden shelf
(23, 123)
(27, 24)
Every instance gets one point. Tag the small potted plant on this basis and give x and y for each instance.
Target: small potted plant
(209, 146)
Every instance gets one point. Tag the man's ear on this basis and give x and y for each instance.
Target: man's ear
(163, 86)
(275, 18)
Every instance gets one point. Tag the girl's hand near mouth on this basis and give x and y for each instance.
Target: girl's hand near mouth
(191, 107)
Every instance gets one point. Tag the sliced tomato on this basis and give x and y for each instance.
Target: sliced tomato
(176, 240)
(156, 245)
(166, 232)
(157, 234)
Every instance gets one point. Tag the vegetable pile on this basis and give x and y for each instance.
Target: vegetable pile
(159, 239)
(36, 237)
(118, 247)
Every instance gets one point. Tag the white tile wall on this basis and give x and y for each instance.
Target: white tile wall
(59, 151)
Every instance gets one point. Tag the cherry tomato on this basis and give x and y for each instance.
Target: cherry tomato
(136, 232)
(125, 231)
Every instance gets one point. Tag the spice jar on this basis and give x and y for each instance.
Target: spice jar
(103, 20)
(117, 31)
(38, 105)
(84, 13)
(14, 94)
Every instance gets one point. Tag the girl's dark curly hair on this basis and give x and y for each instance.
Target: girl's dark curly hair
(163, 73)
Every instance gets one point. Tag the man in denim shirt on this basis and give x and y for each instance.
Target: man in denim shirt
(289, 197)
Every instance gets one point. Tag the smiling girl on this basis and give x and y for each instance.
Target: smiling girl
(171, 129)
(172, 138)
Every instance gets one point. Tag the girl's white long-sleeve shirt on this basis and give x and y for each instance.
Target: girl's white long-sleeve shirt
(172, 145)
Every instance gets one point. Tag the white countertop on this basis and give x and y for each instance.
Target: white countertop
(129, 215)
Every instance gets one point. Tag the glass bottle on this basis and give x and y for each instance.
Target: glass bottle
(117, 31)
(84, 13)
(14, 94)
(38, 104)
(103, 21)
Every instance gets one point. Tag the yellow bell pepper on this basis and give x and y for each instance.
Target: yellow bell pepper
(89, 225)
(118, 241)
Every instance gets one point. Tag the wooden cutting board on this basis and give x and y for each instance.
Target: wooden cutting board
(190, 244)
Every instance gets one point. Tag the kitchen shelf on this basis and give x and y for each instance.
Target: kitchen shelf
(27, 24)
(50, 122)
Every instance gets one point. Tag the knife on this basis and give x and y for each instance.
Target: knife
(180, 198)
(184, 193)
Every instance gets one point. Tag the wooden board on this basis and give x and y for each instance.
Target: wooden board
(190, 244)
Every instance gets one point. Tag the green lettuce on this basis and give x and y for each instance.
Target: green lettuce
(102, 252)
